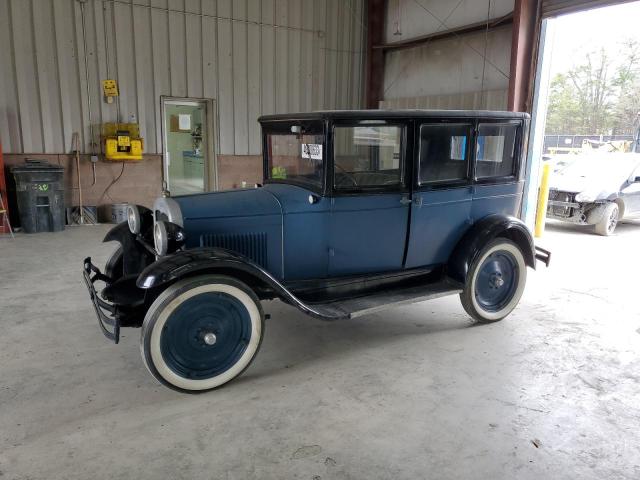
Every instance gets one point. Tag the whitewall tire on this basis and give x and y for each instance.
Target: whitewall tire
(202, 332)
(495, 281)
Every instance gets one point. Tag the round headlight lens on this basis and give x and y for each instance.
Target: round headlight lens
(160, 238)
(133, 219)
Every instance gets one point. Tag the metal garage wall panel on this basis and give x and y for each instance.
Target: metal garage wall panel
(226, 108)
(331, 49)
(143, 53)
(44, 39)
(177, 49)
(9, 111)
(68, 75)
(319, 59)
(282, 57)
(125, 56)
(294, 38)
(26, 72)
(161, 76)
(194, 49)
(253, 57)
(552, 8)
(267, 57)
(240, 86)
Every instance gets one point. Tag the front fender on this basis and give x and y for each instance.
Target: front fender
(482, 232)
(134, 256)
(211, 260)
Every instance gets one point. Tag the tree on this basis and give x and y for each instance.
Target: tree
(599, 96)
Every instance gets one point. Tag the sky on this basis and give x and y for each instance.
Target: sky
(581, 32)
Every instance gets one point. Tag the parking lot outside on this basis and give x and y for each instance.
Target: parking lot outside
(410, 392)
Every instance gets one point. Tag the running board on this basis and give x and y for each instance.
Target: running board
(364, 305)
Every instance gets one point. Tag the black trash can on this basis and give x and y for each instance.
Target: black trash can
(40, 195)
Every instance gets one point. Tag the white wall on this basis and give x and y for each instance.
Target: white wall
(253, 56)
(449, 73)
(416, 21)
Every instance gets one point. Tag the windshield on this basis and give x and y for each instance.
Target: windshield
(296, 153)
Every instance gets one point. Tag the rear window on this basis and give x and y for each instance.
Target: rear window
(443, 153)
(496, 150)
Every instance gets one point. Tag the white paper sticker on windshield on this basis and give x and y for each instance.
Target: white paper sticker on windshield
(312, 151)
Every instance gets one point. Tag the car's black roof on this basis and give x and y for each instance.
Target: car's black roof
(381, 114)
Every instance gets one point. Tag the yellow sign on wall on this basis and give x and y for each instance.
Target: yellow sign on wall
(110, 88)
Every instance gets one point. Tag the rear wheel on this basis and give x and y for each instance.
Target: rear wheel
(609, 220)
(202, 332)
(495, 281)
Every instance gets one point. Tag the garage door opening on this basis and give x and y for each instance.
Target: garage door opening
(586, 122)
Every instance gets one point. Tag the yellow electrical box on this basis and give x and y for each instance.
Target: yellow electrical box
(110, 88)
(122, 141)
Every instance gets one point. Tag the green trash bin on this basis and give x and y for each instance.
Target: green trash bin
(40, 195)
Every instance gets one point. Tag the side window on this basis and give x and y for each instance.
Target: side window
(367, 157)
(496, 150)
(444, 152)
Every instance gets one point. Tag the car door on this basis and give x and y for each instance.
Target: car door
(370, 202)
(630, 194)
(442, 191)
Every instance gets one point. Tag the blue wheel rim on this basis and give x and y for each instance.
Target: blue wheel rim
(182, 341)
(497, 281)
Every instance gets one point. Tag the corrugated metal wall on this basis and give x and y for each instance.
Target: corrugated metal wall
(468, 70)
(252, 56)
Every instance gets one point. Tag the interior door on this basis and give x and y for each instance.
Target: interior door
(370, 204)
(442, 194)
(188, 141)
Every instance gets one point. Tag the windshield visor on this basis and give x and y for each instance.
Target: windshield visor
(296, 153)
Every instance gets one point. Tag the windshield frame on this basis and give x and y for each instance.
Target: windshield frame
(283, 127)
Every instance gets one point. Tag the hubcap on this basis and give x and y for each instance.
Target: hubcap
(205, 335)
(613, 220)
(496, 281)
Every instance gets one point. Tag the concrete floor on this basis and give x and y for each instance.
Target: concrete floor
(414, 392)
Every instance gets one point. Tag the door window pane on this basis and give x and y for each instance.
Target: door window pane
(367, 156)
(443, 153)
(297, 158)
(495, 151)
(186, 147)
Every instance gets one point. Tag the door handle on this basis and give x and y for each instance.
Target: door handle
(405, 201)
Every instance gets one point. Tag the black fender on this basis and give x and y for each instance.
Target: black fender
(186, 263)
(134, 255)
(481, 233)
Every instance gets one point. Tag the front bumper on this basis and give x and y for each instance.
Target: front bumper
(107, 314)
(543, 255)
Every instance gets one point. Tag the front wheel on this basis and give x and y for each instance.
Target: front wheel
(202, 332)
(609, 220)
(495, 281)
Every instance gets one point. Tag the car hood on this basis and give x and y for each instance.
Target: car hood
(229, 203)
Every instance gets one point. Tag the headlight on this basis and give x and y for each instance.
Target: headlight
(160, 238)
(133, 219)
(167, 237)
(139, 219)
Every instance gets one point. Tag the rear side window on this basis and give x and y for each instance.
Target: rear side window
(496, 150)
(444, 153)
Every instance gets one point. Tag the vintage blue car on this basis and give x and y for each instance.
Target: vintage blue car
(359, 210)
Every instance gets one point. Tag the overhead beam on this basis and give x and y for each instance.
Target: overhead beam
(374, 78)
(526, 22)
